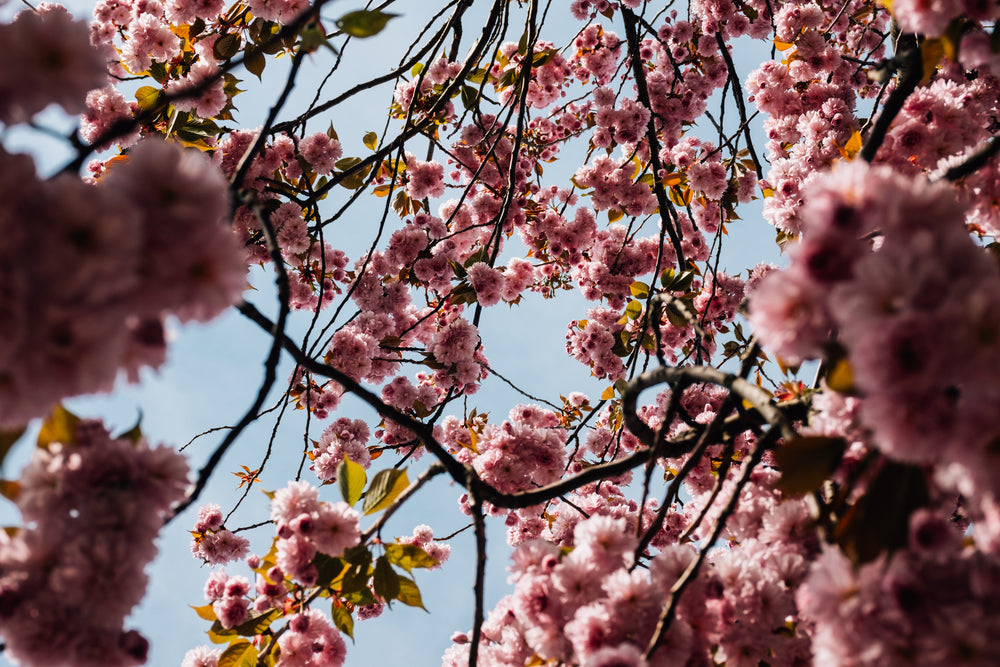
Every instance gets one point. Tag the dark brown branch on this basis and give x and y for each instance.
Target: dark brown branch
(757, 397)
(911, 71)
(476, 507)
(740, 104)
(433, 471)
(974, 162)
(668, 216)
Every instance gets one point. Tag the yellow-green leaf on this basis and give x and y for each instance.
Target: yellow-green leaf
(239, 654)
(205, 612)
(841, 376)
(370, 140)
(351, 478)
(134, 434)
(364, 23)
(806, 462)
(146, 97)
(385, 488)
(7, 440)
(633, 309)
(59, 426)
(257, 623)
(355, 180)
(931, 54)
(253, 626)
(409, 556)
(342, 618)
(409, 594)
(639, 289)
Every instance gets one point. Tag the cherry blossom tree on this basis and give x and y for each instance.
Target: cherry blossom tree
(740, 514)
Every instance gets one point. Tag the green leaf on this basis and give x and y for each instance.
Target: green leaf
(385, 581)
(469, 97)
(254, 60)
(239, 654)
(633, 309)
(507, 79)
(370, 140)
(360, 597)
(806, 462)
(158, 70)
(522, 44)
(351, 478)
(355, 576)
(385, 488)
(59, 426)
(364, 23)
(226, 46)
(327, 569)
(312, 37)
(409, 594)
(342, 618)
(676, 315)
(879, 521)
(409, 556)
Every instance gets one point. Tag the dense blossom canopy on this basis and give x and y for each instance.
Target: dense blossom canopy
(740, 515)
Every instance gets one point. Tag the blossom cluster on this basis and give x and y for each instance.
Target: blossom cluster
(93, 506)
(50, 62)
(93, 285)
(313, 539)
(593, 607)
(921, 348)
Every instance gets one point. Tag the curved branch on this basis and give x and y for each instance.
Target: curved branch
(974, 162)
(757, 397)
